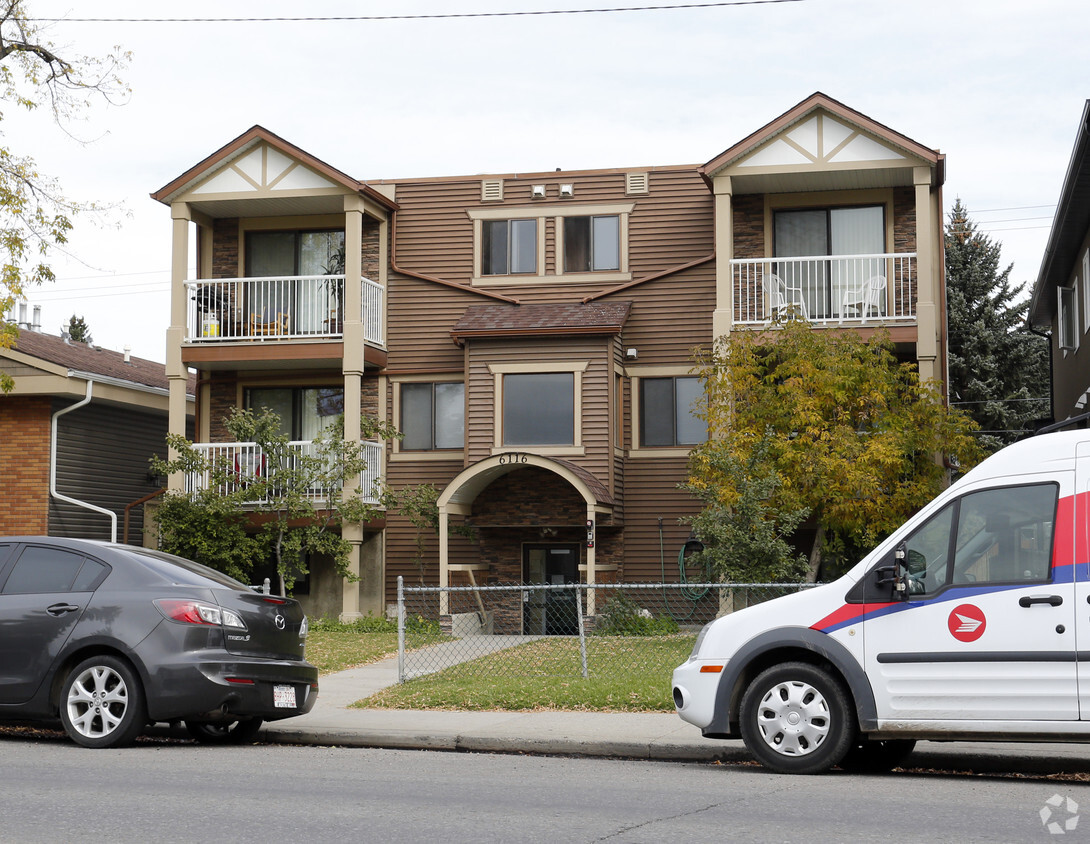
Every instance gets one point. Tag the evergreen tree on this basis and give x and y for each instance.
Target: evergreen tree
(998, 369)
(78, 329)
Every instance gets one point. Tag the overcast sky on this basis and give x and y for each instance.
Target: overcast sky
(997, 85)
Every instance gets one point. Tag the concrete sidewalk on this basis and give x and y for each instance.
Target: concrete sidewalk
(652, 736)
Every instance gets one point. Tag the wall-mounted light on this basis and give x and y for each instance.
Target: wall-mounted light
(631, 354)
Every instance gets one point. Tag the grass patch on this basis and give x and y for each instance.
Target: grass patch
(334, 646)
(627, 674)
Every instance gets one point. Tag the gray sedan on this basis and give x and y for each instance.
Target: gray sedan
(111, 638)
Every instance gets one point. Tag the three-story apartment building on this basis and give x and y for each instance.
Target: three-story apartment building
(531, 334)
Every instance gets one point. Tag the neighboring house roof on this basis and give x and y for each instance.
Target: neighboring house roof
(246, 141)
(34, 347)
(1069, 228)
(539, 319)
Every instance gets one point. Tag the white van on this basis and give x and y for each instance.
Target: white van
(971, 621)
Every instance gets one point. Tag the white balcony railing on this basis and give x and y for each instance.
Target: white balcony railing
(244, 463)
(278, 308)
(858, 289)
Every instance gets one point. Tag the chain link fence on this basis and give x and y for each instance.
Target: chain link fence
(569, 630)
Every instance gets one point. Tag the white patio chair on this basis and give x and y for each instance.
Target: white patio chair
(870, 295)
(782, 299)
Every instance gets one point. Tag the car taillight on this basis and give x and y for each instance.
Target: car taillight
(197, 612)
(304, 628)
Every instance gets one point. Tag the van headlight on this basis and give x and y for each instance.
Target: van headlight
(699, 639)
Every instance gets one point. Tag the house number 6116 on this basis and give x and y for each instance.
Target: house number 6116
(514, 457)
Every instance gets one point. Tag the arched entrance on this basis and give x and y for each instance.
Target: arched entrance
(537, 520)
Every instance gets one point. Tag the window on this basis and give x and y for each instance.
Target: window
(1068, 306)
(508, 247)
(1086, 291)
(993, 536)
(667, 416)
(293, 302)
(592, 243)
(539, 408)
(432, 416)
(303, 411)
(43, 570)
(830, 287)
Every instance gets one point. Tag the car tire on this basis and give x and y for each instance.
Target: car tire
(796, 718)
(224, 732)
(873, 755)
(102, 703)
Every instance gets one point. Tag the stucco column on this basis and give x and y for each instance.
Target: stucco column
(352, 370)
(177, 374)
(723, 316)
(444, 550)
(927, 278)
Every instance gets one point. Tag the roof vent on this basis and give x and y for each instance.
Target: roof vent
(636, 183)
(537, 192)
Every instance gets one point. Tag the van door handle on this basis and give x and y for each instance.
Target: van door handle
(1030, 600)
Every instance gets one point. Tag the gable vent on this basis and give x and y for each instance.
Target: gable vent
(492, 190)
(636, 183)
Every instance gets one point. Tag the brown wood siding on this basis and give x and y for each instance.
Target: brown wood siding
(594, 408)
(670, 316)
(650, 493)
(401, 535)
(420, 315)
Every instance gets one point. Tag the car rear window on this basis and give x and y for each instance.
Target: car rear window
(43, 570)
(181, 570)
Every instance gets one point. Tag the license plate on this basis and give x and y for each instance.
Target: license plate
(284, 697)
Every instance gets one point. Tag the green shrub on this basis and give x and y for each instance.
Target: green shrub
(621, 616)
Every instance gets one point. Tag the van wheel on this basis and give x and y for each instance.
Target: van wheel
(877, 754)
(796, 719)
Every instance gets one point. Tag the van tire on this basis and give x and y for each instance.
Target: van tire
(796, 718)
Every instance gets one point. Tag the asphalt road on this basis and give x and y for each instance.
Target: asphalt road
(54, 791)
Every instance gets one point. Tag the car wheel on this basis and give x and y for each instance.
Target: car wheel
(877, 754)
(102, 703)
(224, 732)
(796, 719)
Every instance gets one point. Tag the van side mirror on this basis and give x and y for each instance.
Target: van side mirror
(896, 575)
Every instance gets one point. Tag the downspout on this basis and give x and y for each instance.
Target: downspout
(1047, 336)
(53, 465)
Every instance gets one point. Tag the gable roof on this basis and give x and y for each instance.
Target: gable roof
(243, 144)
(539, 319)
(88, 359)
(857, 138)
(1069, 228)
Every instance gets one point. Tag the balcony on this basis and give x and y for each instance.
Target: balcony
(243, 463)
(262, 310)
(826, 289)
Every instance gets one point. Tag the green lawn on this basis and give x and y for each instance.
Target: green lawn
(627, 674)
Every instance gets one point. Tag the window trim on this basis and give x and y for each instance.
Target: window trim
(1086, 291)
(636, 376)
(550, 216)
(1068, 309)
(576, 368)
(397, 452)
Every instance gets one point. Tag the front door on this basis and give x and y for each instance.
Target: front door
(550, 612)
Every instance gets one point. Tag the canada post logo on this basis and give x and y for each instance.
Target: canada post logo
(967, 623)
